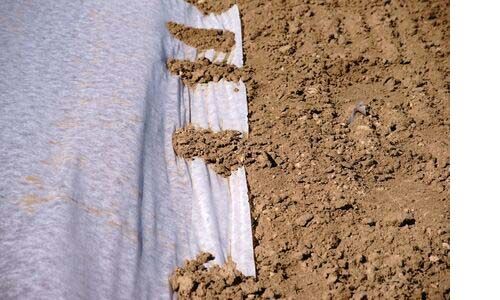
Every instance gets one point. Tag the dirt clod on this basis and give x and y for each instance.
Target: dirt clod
(304, 219)
(203, 71)
(225, 151)
(203, 39)
(399, 219)
(195, 281)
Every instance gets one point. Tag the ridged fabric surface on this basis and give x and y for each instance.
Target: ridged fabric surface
(94, 204)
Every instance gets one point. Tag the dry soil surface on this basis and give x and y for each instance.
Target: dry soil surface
(339, 210)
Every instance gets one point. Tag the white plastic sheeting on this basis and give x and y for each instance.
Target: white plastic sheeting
(220, 221)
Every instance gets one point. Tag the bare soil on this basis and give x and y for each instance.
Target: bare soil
(342, 209)
(211, 6)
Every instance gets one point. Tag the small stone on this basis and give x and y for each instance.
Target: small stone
(330, 169)
(304, 219)
(333, 243)
(266, 160)
(344, 204)
(346, 165)
(303, 254)
(434, 258)
(392, 84)
(360, 258)
(271, 162)
(399, 219)
(262, 160)
(368, 221)
(288, 49)
(333, 278)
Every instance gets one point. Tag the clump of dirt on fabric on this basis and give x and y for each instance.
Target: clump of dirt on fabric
(216, 7)
(204, 71)
(203, 39)
(349, 211)
(224, 151)
(195, 281)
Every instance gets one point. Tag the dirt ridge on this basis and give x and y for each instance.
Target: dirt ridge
(204, 71)
(203, 39)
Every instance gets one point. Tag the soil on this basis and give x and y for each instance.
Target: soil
(215, 7)
(343, 209)
(203, 39)
(195, 281)
(224, 151)
(203, 71)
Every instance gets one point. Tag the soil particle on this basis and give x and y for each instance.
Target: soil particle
(304, 219)
(368, 221)
(399, 219)
(203, 71)
(203, 39)
(359, 108)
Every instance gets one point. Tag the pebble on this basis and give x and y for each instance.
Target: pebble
(285, 49)
(434, 258)
(399, 219)
(304, 219)
(360, 258)
(368, 221)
